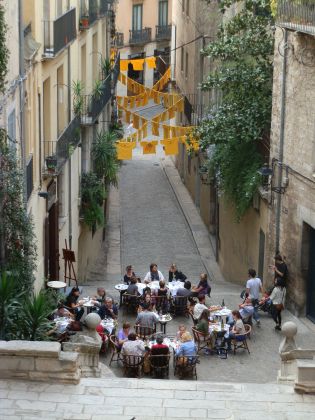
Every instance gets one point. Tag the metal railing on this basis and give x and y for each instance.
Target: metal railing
(89, 13)
(105, 7)
(298, 15)
(57, 152)
(141, 36)
(116, 71)
(163, 33)
(29, 178)
(119, 39)
(94, 104)
(59, 33)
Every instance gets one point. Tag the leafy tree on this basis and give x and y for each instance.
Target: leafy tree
(105, 157)
(243, 53)
(92, 195)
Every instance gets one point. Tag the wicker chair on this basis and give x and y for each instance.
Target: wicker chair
(179, 305)
(133, 365)
(144, 332)
(114, 345)
(161, 303)
(191, 315)
(240, 340)
(185, 366)
(202, 340)
(130, 303)
(160, 365)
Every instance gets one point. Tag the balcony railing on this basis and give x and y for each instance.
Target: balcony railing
(59, 33)
(88, 13)
(163, 33)
(138, 37)
(298, 15)
(105, 7)
(93, 105)
(56, 153)
(116, 71)
(119, 39)
(29, 178)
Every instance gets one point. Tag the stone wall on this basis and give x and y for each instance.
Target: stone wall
(38, 361)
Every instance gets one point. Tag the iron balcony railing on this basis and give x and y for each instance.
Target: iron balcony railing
(59, 33)
(89, 11)
(94, 104)
(141, 36)
(119, 39)
(105, 7)
(163, 33)
(116, 71)
(56, 153)
(298, 15)
(29, 178)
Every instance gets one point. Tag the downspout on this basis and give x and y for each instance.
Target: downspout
(281, 137)
(69, 174)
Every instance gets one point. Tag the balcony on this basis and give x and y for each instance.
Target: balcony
(94, 104)
(119, 39)
(116, 71)
(88, 13)
(163, 33)
(29, 178)
(297, 15)
(139, 37)
(56, 153)
(105, 7)
(59, 33)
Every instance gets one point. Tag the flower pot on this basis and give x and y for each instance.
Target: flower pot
(51, 163)
(84, 22)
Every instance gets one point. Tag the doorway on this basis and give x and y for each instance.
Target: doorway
(310, 303)
(261, 255)
(52, 253)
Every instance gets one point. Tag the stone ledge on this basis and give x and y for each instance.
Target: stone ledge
(28, 348)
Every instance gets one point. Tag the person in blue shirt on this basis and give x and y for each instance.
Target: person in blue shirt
(188, 347)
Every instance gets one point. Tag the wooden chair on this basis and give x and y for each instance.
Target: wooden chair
(144, 332)
(240, 340)
(133, 365)
(161, 303)
(114, 345)
(179, 305)
(130, 303)
(202, 340)
(185, 366)
(191, 315)
(160, 365)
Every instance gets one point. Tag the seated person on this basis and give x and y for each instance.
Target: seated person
(108, 309)
(199, 307)
(203, 322)
(188, 347)
(238, 328)
(203, 287)
(147, 289)
(146, 299)
(62, 312)
(99, 299)
(103, 335)
(174, 274)
(74, 305)
(181, 330)
(154, 273)
(184, 291)
(162, 304)
(123, 333)
(133, 288)
(146, 318)
(133, 346)
(159, 348)
(246, 309)
(129, 274)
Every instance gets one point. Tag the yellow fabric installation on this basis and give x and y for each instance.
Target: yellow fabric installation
(145, 130)
(127, 116)
(126, 101)
(136, 121)
(137, 64)
(132, 101)
(171, 113)
(170, 146)
(166, 131)
(149, 147)
(155, 128)
(124, 65)
(151, 62)
(124, 150)
(119, 100)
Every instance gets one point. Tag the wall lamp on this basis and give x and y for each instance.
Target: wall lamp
(273, 177)
(43, 194)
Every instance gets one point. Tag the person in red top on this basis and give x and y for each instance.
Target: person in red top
(159, 348)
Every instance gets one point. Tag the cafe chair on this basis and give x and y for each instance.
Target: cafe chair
(179, 306)
(202, 340)
(161, 303)
(191, 316)
(160, 365)
(240, 340)
(130, 303)
(185, 366)
(115, 348)
(133, 365)
(144, 332)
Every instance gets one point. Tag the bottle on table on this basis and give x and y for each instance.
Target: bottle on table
(223, 303)
(222, 324)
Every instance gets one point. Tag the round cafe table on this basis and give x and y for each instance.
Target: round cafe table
(163, 320)
(57, 284)
(121, 287)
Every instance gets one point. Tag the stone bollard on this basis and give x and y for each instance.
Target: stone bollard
(287, 372)
(87, 343)
(289, 330)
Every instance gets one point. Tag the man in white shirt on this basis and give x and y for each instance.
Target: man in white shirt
(154, 274)
(133, 347)
(199, 307)
(253, 287)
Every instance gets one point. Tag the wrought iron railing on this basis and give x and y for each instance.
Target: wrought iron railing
(29, 178)
(94, 104)
(116, 71)
(57, 152)
(163, 33)
(298, 15)
(141, 36)
(59, 33)
(119, 39)
(105, 7)
(89, 13)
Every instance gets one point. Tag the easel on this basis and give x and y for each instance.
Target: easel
(69, 258)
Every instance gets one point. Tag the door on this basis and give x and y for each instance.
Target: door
(163, 12)
(310, 306)
(137, 17)
(261, 255)
(53, 243)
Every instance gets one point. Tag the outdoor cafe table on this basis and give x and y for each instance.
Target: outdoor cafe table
(121, 287)
(163, 320)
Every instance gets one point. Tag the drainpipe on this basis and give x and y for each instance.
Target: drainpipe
(69, 165)
(281, 136)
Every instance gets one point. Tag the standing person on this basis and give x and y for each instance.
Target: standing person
(277, 298)
(154, 273)
(174, 274)
(253, 287)
(281, 271)
(75, 305)
(203, 287)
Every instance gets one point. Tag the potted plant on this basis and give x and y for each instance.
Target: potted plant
(97, 89)
(51, 163)
(92, 197)
(84, 22)
(106, 67)
(78, 89)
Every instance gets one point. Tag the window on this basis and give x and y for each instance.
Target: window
(186, 66)
(182, 59)
(12, 130)
(163, 13)
(137, 17)
(187, 7)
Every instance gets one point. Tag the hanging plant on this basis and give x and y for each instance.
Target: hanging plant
(105, 157)
(78, 90)
(92, 197)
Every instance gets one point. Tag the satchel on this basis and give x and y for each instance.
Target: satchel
(279, 306)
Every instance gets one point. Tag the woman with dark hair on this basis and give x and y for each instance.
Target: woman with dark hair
(133, 288)
(73, 303)
(129, 274)
(154, 273)
(203, 322)
(238, 328)
(203, 288)
(174, 274)
(281, 271)
(277, 298)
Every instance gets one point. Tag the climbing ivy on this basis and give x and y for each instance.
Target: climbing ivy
(4, 52)
(243, 53)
